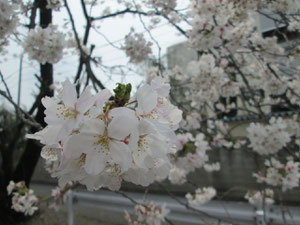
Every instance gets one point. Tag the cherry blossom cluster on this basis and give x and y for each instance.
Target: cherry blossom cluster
(149, 214)
(289, 6)
(226, 27)
(191, 156)
(260, 198)
(218, 22)
(165, 6)
(59, 196)
(201, 196)
(207, 80)
(8, 19)
(45, 45)
(294, 92)
(23, 199)
(294, 25)
(136, 47)
(276, 173)
(238, 75)
(268, 139)
(100, 140)
(212, 167)
(177, 176)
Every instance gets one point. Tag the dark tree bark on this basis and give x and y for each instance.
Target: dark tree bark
(30, 157)
(31, 154)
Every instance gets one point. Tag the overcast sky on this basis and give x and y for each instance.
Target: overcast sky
(114, 29)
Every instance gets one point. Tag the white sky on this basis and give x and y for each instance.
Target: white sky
(114, 29)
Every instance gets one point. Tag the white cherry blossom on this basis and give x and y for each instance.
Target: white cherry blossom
(45, 45)
(259, 198)
(149, 214)
(136, 47)
(268, 139)
(201, 196)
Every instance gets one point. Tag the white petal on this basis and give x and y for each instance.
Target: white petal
(160, 86)
(93, 126)
(175, 116)
(149, 162)
(95, 162)
(69, 94)
(54, 115)
(102, 97)
(146, 127)
(84, 141)
(94, 112)
(85, 101)
(158, 147)
(66, 130)
(147, 99)
(139, 176)
(47, 136)
(110, 181)
(120, 154)
(123, 123)
(48, 102)
(139, 158)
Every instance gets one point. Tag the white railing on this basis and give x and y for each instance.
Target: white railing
(235, 213)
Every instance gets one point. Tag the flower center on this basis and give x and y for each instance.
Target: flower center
(64, 112)
(102, 141)
(143, 143)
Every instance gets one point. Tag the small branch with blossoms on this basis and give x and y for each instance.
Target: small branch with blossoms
(25, 201)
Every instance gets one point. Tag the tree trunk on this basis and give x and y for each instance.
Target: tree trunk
(30, 157)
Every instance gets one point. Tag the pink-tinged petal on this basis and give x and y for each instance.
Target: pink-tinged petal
(95, 162)
(85, 101)
(147, 99)
(124, 121)
(120, 154)
(133, 141)
(159, 85)
(69, 94)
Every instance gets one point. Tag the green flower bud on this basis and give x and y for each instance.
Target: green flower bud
(122, 94)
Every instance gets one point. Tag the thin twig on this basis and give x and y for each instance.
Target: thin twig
(30, 121)
(5, 85)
